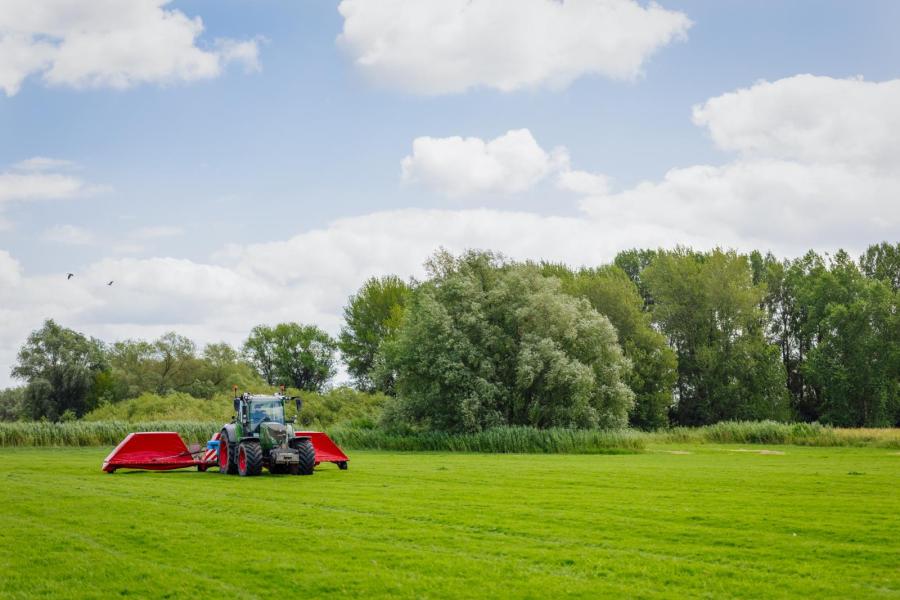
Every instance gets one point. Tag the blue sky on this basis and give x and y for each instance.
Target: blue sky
(242, 175)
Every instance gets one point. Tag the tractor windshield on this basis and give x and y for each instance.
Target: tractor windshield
(265, 410)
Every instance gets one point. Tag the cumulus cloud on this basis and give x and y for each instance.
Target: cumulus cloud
(455, 166)
(305, 278)
(108, 43)
(448, 46)
(816, 167)
(809, 119)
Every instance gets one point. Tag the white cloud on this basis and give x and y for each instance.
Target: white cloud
(584, 183)
(36, 186)
(780, 205)
(245, 53)
(809, 119)
(448, 46)
(69, 234)
(35, 179)
(817, 167)
(456, 166)
(10, 270)
(108, 43)
(43, 163)
(305, 278)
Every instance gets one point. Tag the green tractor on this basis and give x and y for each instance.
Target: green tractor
(258, 436)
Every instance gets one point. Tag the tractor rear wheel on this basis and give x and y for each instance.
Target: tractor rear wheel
(227, 456)
(249, 459)
(307, 458)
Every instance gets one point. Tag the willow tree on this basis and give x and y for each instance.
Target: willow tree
(485, 343)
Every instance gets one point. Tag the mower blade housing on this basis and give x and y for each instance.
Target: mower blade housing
(151, 450)
(326, 449)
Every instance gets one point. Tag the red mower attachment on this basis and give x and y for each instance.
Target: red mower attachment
(154, 451)
(326, 450)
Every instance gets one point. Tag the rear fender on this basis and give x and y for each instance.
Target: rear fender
(231, 433)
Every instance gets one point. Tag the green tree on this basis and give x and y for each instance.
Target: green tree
(223, 367)
(787, 304)
(59, 366)
(613, 294)
(486, 343)
(371, 318)
(132, 370)
(882, 261)
(709, 308)
(633, 262)
(854, 330)
(301, 356)
(12, 404)
(165, 365)
(259, 351)
(176, 362)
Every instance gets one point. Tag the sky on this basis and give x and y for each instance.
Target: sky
(233, 162)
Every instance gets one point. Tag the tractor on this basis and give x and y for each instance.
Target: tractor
(259, 436)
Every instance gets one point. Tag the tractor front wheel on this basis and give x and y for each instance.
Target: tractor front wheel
(307, 459)
(249, 459)
(227, 456)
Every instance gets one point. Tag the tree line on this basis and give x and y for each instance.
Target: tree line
(656, 338)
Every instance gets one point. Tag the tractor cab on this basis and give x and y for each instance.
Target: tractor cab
(251, 412)
(265, 409)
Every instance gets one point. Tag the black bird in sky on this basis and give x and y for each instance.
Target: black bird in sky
(69, 276)
(110, 283)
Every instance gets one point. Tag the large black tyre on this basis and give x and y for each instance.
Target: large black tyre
(307, 458)
(249, 459)
(227, 455)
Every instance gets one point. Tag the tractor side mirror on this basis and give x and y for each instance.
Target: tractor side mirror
(299, 402)
(237, 404)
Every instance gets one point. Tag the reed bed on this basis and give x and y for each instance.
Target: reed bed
(772, 432)
(499, 440)
(502, 440)
(96, 433)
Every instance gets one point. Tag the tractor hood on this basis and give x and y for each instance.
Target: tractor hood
(273, 433)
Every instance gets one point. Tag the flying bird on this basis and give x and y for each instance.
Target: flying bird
(110, 283)
(69, 276)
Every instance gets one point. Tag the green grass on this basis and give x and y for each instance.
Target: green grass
(722, 521)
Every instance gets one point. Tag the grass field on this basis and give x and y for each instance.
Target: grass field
(716, 521)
